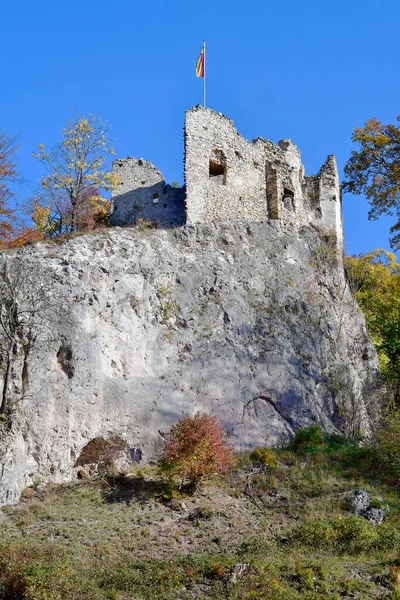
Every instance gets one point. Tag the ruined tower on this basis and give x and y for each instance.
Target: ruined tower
(228, 178)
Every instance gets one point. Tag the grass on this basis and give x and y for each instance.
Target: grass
(286, 515)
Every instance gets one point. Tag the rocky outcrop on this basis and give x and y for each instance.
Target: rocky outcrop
(373, 509)
(241, 319)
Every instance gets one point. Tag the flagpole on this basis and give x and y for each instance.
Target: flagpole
(204, 46)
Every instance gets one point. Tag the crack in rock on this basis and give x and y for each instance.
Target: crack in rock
(252, 403)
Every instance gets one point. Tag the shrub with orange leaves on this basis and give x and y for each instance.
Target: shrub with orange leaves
(196, 448)
(19, 238)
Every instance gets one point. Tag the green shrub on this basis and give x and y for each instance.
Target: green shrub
(356, 534)
(388, 537)
(306, 577)
(316, 533)
(349, 534)
(35, 573)
(395, 595)
(387, 443)
(377, 503)
(308, 439)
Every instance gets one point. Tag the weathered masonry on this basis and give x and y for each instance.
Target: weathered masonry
(144, 194)
(228, 178)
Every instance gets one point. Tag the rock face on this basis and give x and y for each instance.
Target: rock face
(363, 507)
(243, 319)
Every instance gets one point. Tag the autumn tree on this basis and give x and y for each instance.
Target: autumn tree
(76, 178)
(196, 448)
(13, 231)
(8, 175)
(375, 278)
(374, 170)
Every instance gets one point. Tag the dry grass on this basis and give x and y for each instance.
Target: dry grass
(129, 538)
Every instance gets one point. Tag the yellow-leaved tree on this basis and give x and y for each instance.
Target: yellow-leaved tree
(376, 281)
(77, 176)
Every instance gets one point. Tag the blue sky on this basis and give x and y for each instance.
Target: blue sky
(311, 71)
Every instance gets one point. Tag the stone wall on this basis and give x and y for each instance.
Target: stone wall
(284, 177)
(228, 178)
(224, 173)
(330, 200)
(143, 194)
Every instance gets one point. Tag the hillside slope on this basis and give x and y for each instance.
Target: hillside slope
(285, 530)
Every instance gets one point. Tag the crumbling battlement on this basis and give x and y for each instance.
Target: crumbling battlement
(144, 195)
(228, 178)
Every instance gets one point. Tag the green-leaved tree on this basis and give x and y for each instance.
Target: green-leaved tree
(374, 170)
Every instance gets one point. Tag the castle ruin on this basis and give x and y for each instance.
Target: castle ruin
(228, 178)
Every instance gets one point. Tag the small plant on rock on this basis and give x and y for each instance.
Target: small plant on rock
(196, 449)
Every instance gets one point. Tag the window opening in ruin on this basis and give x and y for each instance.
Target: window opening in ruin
(217, 166)
(288, 199)
(155, 198)
(272, 193)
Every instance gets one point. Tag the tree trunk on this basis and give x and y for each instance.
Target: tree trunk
(4, 397)
(73, 215)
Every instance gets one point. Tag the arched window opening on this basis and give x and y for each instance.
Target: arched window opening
(217, 166)
(288, 199)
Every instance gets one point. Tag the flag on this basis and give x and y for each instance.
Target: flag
(200, 65)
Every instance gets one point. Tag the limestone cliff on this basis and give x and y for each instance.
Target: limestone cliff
(255, 324)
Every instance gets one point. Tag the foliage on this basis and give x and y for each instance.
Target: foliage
(21, 236)
(374, 169)
(13, 234)
(196, 448)
(8, 169)
(117, 538)
(8, 176)
(375, 278)
(387, 442)
(350, 534)
(307, 439)
(40, 216)
(76, 176)
(263, 456)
